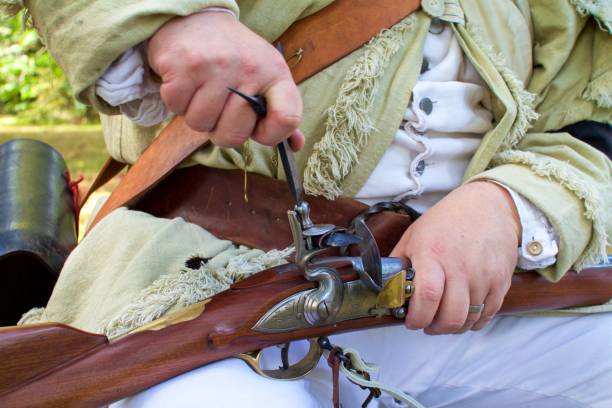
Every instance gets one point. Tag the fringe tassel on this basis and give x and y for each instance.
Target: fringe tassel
(601, 10)
(189, 287)
(9, 8)
(348, 123)
(570, 179)
(33, 316)
(525, 100)
(599, 90)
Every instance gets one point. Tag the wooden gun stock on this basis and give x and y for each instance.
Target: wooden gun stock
(53, 365)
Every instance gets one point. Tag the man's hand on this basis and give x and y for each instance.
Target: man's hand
(198, 57)
(464, 251)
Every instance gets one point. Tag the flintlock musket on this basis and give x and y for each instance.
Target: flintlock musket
(54, 365)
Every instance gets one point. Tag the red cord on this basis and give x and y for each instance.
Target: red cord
(333, 360)
(73, 185)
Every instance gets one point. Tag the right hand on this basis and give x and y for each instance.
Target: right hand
(199, 56)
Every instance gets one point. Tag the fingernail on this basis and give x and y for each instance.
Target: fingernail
(410, 326)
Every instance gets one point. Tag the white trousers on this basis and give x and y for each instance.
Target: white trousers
(514, 362)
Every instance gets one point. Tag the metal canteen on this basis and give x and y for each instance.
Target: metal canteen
(37, 225)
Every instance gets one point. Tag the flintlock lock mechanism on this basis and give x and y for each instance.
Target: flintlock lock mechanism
(321, 305)
(384, 286)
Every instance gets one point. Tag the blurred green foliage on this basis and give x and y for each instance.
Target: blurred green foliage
(32, 86)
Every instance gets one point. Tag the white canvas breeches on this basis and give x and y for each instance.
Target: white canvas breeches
(541, 362)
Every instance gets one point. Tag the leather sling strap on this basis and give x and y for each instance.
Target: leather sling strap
(215, 202)
(319, 40)
(324, 38)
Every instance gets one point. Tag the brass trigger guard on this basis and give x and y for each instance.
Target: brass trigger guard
(294, 371)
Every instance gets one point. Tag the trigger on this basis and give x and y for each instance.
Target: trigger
(292, 372)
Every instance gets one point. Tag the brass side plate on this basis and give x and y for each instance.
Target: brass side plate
(394, 292)
(183, 315)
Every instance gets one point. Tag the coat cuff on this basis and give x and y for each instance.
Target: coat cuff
(564, 210)
(539, 247)
(128, 85)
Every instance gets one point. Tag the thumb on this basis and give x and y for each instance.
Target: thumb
(297, 140)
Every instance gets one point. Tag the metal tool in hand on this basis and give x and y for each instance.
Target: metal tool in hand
(332, 300)
(332, 235)
(323, 304)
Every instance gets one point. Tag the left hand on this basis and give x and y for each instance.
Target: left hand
(464, 251)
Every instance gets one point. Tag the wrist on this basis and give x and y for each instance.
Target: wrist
(498, 196)
(172, 34)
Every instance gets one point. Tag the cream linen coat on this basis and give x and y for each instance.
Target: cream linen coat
(547, 66)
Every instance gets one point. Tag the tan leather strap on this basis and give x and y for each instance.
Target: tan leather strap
(324, 37)
(319, 40)
(175, 143)
(213, 199)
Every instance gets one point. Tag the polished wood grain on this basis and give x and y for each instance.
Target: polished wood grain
(56, 366)
(36, 350)
(532, 292)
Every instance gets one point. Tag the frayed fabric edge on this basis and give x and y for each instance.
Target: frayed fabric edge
(348, 123)
(599, 90)
(188, 287)
(600, 10)
(33, 316)
(525, 100)
(564, 175)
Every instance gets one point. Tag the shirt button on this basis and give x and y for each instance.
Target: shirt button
(424, 65)
(534, 248)
(420, 168)
(426, 105)
(436, 26)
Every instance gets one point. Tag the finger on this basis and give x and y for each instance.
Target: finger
(492, 304)
(297, 140)
(177, 93)
(472, 318)
(479, 290)
(206, 106)
(453, 311)
(428, 290)
(236, 123)
(284, 113)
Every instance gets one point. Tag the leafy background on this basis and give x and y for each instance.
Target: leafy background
(33, 89)
(36, 103)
